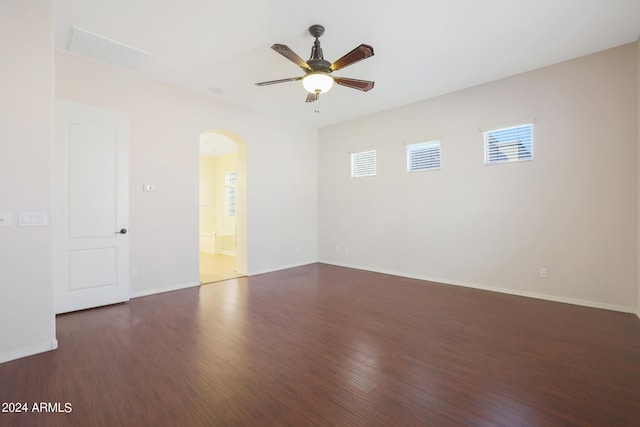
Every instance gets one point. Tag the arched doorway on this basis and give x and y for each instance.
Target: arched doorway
(223, 206)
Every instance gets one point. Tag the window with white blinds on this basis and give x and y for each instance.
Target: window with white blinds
(423, 156)
(363, 164)
(230, 194)
(513, 144)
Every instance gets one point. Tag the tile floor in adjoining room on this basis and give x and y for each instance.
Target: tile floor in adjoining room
(214, 268)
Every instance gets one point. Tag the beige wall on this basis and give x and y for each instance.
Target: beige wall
(571, 210)
(27, 322)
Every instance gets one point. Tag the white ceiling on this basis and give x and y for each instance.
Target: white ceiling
(423, 48)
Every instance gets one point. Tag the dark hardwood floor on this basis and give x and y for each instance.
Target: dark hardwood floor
(321, 345)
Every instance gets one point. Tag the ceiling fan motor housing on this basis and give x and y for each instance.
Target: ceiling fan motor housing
(319, 64)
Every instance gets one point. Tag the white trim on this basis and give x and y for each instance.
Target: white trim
(282, 267)
(638, 313)
(29, 351)
(416, 146)
(509, 149)
(147, 292)
(370, 166)
(546, 297)
(230, 253)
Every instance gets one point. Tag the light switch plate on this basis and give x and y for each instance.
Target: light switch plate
(6, 219)
(33, 219)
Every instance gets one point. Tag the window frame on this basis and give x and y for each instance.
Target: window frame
(526, 143)
(230, 192)
(370, 166)
(413, 147)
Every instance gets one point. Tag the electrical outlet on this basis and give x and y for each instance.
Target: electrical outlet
(544, 272)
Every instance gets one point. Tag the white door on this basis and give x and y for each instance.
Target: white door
(91, 207)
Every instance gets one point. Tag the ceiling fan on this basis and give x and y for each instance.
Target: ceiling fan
(318, 78)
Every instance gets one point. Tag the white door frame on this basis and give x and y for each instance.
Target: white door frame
(91, 253)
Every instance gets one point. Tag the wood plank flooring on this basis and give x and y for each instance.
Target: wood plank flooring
(321, 345)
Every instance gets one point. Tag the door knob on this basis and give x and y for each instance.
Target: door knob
(122, 231)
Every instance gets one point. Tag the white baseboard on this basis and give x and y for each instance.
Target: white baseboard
(282, 267)
(144, 293)
(230, 253)
(574, 301)
(29, 351)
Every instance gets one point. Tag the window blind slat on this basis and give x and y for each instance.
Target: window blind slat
(509, 145)
(363, 164)
(423, 156)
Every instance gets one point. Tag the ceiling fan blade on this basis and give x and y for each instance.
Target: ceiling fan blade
(291, 56)
(312, 97)
(272, 82)
(363, 85)
(358, 54)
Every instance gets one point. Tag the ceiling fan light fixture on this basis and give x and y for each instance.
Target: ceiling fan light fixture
(317, 82)
(317, 78)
